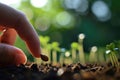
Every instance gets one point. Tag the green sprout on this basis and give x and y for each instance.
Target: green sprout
(92, 56)
(74, 48)
(49, 49)
(80, 48)
(67, 59)
(112, 50)
(55, 49)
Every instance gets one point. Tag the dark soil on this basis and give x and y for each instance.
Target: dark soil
(65, 72)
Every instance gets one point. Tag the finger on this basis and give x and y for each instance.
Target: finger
(31, 38)
(9, 36)
(14, 19)
(10, 55)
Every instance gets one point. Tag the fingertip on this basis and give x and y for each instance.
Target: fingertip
(10, 55)
(20, 57)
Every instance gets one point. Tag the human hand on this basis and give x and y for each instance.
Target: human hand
(13, 22)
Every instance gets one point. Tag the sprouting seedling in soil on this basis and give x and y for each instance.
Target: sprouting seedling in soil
(74, 48)
(55, 50)
(92, 56)
(112, 51)
(81, 51)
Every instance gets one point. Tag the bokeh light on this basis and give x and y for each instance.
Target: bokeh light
(69, 4)
(101, 11)
(60, 72)
(63, 49)
(64, 19)
(81, 36)
(13, 3)
(94, 49)
(78, 5)
(39, 3)
(67, 54)
(83, 6)
(108, 51)
(42, 23)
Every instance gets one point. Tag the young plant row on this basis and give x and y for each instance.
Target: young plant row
(76, 53)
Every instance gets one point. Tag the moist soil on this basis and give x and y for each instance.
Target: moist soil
(77, 71)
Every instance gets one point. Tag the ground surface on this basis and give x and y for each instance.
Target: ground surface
(58, 72)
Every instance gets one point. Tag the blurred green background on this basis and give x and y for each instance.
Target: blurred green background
(63, 20)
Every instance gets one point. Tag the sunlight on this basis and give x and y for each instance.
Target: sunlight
(39, 3)
(14, 3)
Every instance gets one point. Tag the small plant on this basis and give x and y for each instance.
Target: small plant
(74, 48)
(55, 50)
(112, 51)
(92, 56)
(80, 48)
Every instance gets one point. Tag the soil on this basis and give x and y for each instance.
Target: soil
(77, 71)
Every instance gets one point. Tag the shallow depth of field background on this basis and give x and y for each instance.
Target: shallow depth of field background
(64, 26)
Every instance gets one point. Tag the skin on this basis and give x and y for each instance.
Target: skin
(13, 22)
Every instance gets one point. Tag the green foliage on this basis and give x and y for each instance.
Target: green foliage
(44, 40)
(111, 46)
(114, 47)
(55, 46)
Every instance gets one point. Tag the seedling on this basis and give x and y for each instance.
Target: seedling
(68, 59)
(92, 56)
(112, 51)
(74, 48)
(55, 50)
(80, 48)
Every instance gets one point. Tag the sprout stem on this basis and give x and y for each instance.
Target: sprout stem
(74, 55)
(81, 53)
(54, 53)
